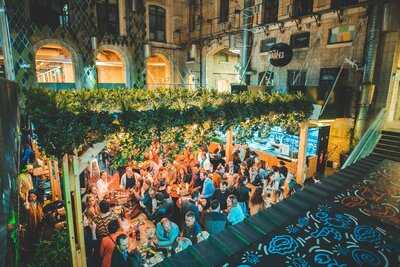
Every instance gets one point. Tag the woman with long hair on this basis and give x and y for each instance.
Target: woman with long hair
(92, 209)
(256, 202)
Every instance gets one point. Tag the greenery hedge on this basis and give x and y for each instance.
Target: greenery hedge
(66, 120)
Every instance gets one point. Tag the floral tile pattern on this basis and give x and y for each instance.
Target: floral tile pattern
(358, 227)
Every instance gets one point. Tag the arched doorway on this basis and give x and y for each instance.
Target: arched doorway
(221, 69)
(111, 69)
(158, 71)
(54, 67)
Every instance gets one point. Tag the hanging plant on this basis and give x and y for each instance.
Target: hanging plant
(74, 119)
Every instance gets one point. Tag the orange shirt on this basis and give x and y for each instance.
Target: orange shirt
(107, 247)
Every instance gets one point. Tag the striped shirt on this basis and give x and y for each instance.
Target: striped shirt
(102, 222)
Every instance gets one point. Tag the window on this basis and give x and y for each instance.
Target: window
(300, 40)
(157, 23)
(266, 79)
(340, 103)
(108, 16)
(192, 14)
(270, 11)
(223, 10)
(302, 8)
(296, 81)
(64, 18)
(54, 10)
(342, 34)
(343, 3)
(266, 44)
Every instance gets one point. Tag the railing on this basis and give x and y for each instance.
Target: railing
(369, 140)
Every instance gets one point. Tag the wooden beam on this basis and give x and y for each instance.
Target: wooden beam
(302, 156)
(81, 162)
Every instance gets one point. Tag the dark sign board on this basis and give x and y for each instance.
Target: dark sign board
(281, 54)
(300, 40)
(266, 44)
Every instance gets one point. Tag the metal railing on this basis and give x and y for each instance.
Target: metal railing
(369, 140)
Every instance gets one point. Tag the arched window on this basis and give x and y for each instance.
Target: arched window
(158, 72)
(110, 68)
(157, 23)
(54, 65)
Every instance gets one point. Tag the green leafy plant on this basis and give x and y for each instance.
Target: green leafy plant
(53, 252)
(70, 120)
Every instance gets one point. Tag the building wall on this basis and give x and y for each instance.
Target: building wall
(319, 54)
(27, 37)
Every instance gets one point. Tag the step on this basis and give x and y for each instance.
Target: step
(390, 133)
(211, 250)
(387, 151)
(388, 146)
(390, 137)
(385, 156)
(389, 142)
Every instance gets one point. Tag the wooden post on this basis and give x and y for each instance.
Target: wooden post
(73, 208)
(302, 156)
(77, 200)
(229, 145)
(69, 210)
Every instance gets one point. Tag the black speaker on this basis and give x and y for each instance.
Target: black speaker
(238, 88)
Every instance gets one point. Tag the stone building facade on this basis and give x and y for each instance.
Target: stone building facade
(83, 28)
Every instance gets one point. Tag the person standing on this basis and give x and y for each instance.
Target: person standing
(191, 227)
(215, 220)
(102, 185)
(108, 243)
(121, 257)
(103, 219)
(208, 187)
(235, 212)
(128, 180)
(166, 232)
(25, 181)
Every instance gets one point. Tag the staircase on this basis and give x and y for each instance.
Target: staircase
(230, 244)
(388, 146)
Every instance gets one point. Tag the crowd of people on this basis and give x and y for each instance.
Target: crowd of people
(199, 194)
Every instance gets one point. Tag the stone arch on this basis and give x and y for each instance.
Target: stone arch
(77, 61)
(213, 80)
(123, 54)
(159, 71)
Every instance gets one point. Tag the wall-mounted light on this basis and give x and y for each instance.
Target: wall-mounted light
(134, 5)
(93, 40)
(193, 51)
(147, 50)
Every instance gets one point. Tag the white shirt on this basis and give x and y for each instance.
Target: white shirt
(102, 188)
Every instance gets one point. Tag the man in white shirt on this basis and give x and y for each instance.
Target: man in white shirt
(102, 185)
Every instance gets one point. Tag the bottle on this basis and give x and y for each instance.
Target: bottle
(137, 232)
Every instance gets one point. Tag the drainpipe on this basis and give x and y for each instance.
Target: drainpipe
(370, 54)
(6, 42)
(244, 55)
(201, 45)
